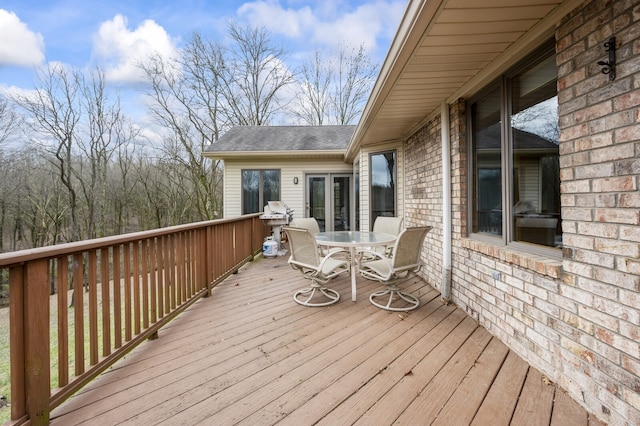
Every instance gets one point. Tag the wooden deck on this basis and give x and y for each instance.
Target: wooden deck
(250, 355)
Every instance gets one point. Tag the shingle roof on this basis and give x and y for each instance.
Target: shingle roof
(489, 138)
(282, 138)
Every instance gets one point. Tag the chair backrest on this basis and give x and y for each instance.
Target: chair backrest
(388, 225)
(303, 246)
(309, 223)
(406, 252)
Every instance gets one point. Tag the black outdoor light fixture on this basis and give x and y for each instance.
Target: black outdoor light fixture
(609, 67)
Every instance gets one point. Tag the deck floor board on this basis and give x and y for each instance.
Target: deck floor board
(498, 405)
(250, 355)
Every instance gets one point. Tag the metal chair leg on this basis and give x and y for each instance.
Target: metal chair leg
(316, 290)
(394, 294)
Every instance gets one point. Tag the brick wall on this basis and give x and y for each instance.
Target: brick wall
(577, 319)
(600, 167)
(423, 197)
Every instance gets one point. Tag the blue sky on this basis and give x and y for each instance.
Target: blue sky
(114, 34)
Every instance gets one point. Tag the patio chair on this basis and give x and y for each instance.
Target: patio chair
(311, 224)
(306, 258)
(387, 225)
(404, 261)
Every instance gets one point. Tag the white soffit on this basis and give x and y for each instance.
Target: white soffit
(442, 50)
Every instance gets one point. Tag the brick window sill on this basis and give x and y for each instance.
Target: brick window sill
(550, 267)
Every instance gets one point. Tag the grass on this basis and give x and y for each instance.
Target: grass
(5, 366)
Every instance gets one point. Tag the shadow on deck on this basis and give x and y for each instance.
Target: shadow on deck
(250, 355)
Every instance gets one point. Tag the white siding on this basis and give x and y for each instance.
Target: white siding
(529, 182)
(292, 195)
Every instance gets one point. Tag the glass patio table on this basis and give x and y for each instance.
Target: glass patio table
(352, 240)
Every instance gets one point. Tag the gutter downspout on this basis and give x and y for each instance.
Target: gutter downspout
(445, 289)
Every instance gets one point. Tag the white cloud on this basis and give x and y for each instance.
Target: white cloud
(15, 91)
(327, 25)
(361, 27)
(19, 46)
(269, 14)
(123, 49)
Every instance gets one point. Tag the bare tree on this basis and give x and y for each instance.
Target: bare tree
(12, 182)
(9, 119)
(9, 122)
(540, 119)
(123, 179)
(80, 129)
(177, 108)
(106, 131)
(254, 76)
(44, 208)
(334, 89)
(312, 104)
(32, 202)
(163, 193)
(204, 91)
(54, 112)
(355, 77)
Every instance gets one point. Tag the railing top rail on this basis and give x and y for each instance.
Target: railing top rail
(17, 257)
(128, 290)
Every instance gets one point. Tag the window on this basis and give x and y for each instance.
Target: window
(258, 187)
(515, 157)
(382, 184)
(356, 191)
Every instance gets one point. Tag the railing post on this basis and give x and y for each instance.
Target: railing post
(207, 258)
(206, 264)
(16, 342)
(30, 358)
(222, 248)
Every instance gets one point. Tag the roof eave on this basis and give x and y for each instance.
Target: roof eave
(417, 14)
(336, 153)
(417, 23)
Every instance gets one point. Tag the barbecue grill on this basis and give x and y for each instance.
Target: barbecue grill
(276, 214)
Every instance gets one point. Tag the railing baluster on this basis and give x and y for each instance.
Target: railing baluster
(17, 337)
(93, 308)
(172, 271)
(144, 253)
(160, 276)
(191, 263)
(163, 273)
(177, 268)
(78, 312)
(63, 321)
(166, 266)
(186, 290)
(180, 270)
(136, 287)
(117, 298)
(212, 260)
(105, 282)
(127, 292)
(153, 282)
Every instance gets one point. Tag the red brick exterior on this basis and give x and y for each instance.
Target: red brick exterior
(577, 319)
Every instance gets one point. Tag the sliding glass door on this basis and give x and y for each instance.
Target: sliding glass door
(329, 201)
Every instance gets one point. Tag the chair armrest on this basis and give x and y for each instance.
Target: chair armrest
(332, 254)
(369, 255)
(377, 269)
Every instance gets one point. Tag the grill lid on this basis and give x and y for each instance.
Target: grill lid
(277, 210)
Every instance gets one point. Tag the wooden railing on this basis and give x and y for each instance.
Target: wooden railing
(77, 308)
